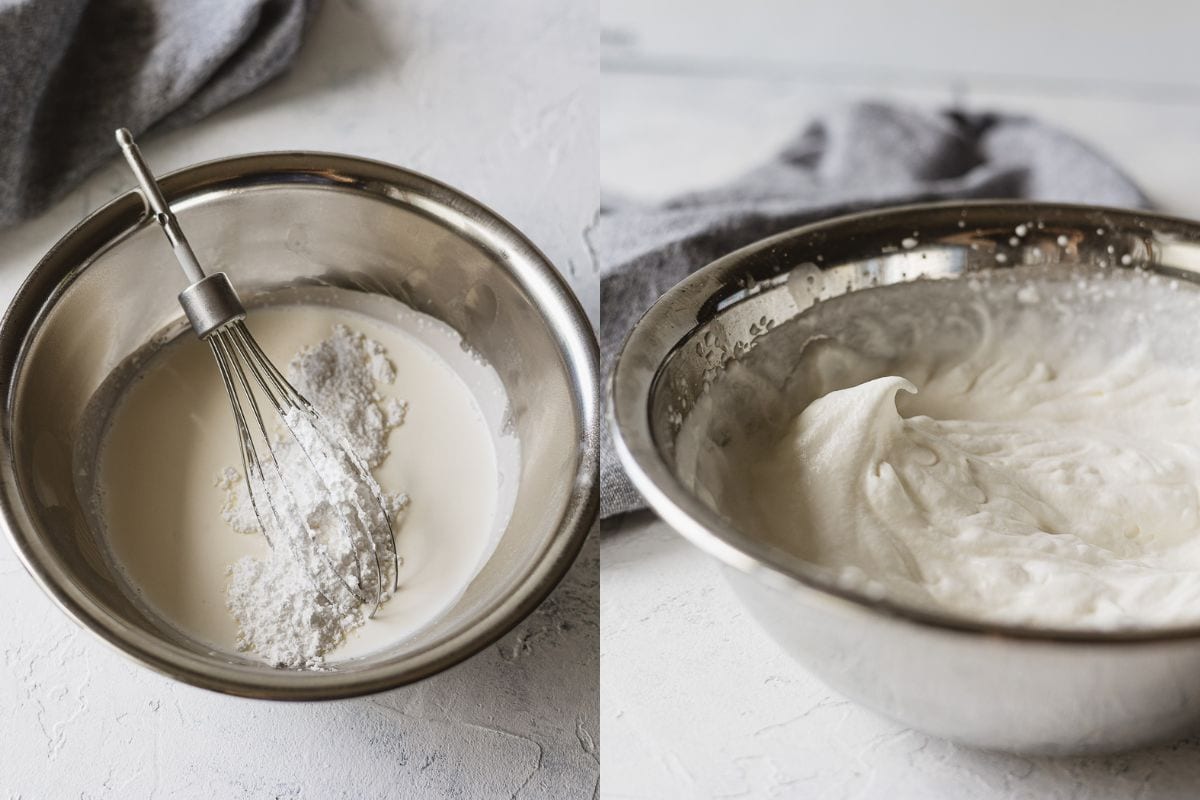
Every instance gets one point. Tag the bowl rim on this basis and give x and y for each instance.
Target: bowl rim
(681, 310)
(531, 271)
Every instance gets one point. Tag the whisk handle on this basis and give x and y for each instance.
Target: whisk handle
(209, 301)
(158, 205)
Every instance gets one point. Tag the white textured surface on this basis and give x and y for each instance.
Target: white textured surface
(690, 100)
(1069, 46)
(696, 701)
(490, 101)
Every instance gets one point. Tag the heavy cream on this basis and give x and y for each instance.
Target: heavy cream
(1019, 448)
(166, 456)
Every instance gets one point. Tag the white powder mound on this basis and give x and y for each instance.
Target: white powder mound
(291, 606)
(339, 377)
(280, 616)
(237, 511)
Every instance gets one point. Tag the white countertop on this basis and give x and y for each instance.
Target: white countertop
(489, 101)
(696, 701)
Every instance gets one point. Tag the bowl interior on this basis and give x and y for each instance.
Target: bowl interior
(279, 224)
(720, 350)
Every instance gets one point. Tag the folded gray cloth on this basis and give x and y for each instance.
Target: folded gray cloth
(857, 157)
(72, 71)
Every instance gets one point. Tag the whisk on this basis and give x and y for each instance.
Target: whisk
(310, 492)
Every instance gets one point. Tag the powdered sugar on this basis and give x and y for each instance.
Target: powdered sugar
(236, 510)
(330, 547)
(339, 377)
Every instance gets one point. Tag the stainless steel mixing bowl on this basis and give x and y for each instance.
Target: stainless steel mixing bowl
(1004, 687)
(275, 222)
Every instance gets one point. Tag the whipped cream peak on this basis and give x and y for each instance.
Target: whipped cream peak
(1015, 453)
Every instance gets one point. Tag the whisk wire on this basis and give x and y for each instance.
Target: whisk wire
(264, 371)
(245, 440)
(251, 463)
(333, 442)
(229, 352)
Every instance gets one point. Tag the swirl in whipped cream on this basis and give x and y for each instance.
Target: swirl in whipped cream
(1018, 451)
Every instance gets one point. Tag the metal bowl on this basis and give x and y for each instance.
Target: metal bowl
(275, 221)
(1011, 688)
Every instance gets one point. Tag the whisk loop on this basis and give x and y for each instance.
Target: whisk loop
(310, 491)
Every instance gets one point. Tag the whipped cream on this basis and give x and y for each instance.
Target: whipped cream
(1011, 448)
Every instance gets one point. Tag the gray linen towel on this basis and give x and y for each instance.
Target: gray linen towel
(72, 71)
(856, 157)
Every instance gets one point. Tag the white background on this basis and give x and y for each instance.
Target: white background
(696, 701)
(489, 100)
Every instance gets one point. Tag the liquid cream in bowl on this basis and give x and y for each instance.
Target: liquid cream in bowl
(170, 491)
(1018, 447)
